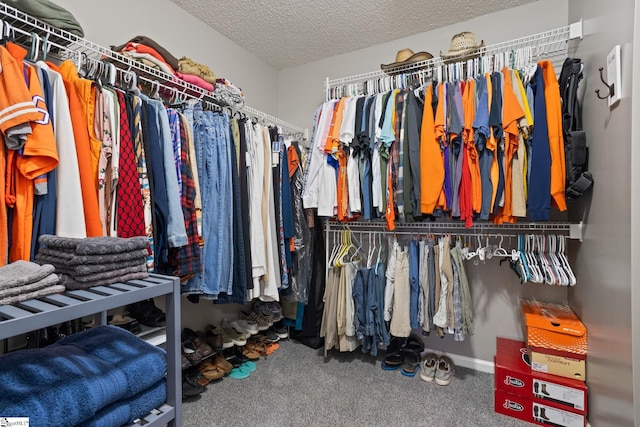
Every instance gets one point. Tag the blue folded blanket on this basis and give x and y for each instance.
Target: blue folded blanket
(69, 382)
(57, 386)
(125, 411)
(142, 363)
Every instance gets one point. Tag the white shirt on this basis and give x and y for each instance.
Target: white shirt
(70, 221)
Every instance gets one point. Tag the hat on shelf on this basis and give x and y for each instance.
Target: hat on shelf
(406, 57)
(463, 45)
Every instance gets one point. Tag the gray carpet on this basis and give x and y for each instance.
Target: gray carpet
(297, 386)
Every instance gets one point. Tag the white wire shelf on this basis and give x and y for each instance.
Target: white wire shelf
(544, 45)
(68, 46)
(571, 230)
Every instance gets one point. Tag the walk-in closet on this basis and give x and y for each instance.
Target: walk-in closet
(319, 213)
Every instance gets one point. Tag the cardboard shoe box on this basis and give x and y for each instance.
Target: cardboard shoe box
(514, 375)
(556, 338)
(535, 412)
(559, 363)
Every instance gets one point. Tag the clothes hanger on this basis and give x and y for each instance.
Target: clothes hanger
(334, 251)
(565, 261)
(372, 250)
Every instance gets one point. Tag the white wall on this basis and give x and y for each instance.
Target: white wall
(302, 88)
(116, 21)
(495, 290)
(603, 297)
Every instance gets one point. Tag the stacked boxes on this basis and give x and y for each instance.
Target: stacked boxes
(542, 380)
(535, 396)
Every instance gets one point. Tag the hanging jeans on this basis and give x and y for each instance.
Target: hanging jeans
(414, 281)
(213, 157)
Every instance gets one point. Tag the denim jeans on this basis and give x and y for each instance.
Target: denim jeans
(414, 282)
(176, 231)
(213, 157)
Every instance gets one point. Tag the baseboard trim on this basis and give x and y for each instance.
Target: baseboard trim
(469, 362)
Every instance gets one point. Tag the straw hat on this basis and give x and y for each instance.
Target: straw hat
(406, 57)
(463, 44)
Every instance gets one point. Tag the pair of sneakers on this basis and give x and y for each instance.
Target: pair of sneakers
(436, 368)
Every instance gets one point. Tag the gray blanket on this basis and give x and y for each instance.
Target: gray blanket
(23, 272)
(83, 269)
(95, 245)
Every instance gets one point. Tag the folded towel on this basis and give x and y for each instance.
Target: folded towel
(50, 280)
(49, 290)
(95, 245)
(85, 269)
(58, 385)
(143, 364)
(127, 410)
(104, 275)
(22, 272)
(71, 284)
(171, 60)
(69, 258)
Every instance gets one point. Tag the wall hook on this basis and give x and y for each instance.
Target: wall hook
(610, 87)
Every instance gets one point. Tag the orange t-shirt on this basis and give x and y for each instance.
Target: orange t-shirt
(88, 180)
(431, 158)
(468, 104)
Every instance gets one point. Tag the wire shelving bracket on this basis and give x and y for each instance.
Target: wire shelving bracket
(544, 44)
(69, 45)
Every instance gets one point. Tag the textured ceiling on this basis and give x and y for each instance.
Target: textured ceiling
(286, 33)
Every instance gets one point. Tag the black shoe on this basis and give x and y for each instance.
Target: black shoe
(280, 330)
(190, 387)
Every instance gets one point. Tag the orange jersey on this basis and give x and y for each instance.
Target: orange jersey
(30, 164)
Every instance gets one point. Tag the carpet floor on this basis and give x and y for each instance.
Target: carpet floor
(298, 386)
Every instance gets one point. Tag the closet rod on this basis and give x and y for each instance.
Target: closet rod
(545, 44)
(67, 42)
(571, 230)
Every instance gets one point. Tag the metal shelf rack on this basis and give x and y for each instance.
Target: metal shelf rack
(39, 313)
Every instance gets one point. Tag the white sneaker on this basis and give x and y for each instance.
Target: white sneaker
(444, 371)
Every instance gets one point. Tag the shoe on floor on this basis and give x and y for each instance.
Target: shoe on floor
(410, 363)
(190, 387)
(444, 371)
(280, 330)
(241, 327)
(211, 371)
(216, 339)
(428, 367)
(263, 323)
(238, 374)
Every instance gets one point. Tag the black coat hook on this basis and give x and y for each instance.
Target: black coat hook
(610, 87)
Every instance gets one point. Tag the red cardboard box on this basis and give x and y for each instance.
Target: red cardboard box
(513, 375)
(534, 412)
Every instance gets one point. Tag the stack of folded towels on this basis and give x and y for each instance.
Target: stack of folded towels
(94, 261)
(23, 280)
(104, 376)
